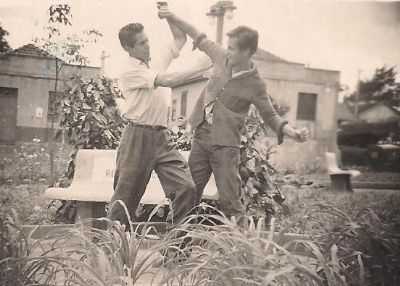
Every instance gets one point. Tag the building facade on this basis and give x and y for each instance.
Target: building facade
(27, 90)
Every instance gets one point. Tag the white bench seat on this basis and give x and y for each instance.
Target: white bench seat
(92, 184)
(340, 179)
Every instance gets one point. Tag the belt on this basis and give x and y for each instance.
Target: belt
(153, 127)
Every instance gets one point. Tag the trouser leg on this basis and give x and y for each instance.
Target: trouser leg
(135, 159)
(200, 168)
(225, 165)
(174, 174)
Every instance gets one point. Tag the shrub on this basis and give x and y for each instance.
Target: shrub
(26, 201)
(90, 120)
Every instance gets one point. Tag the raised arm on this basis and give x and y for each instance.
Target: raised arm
(178, 35)
(213, 50)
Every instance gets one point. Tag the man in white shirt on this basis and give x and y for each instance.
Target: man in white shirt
(144, 145)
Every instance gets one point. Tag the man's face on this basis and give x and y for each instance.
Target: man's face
(141, 50)
(236, 56)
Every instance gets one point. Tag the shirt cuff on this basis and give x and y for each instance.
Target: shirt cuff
(198, 40)
(280, 132)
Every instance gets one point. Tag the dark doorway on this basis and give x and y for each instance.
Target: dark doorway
(8, 115)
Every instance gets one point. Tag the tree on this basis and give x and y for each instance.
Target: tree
(382, 87)
(4, 46)
(66, 49)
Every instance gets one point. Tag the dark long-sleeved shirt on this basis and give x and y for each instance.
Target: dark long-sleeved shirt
(233, 94)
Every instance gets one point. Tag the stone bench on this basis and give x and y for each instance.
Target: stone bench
(92, 185)
(340, 179)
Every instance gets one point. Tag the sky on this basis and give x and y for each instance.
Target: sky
(336, 35)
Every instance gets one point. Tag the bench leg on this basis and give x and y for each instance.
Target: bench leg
(341, 182)
(87, 210)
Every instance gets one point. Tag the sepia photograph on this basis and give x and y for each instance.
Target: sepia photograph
(196, 143)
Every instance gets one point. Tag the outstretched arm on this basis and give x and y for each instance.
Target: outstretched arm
(172, 78)
(279, 125)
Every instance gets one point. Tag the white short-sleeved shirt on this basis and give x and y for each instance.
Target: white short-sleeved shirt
(145, 104)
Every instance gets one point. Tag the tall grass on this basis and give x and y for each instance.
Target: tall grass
(342, 248)
(219, 251)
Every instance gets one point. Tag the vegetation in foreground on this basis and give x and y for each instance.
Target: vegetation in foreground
(353, 240)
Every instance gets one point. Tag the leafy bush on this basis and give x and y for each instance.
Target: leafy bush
(90, 120)
(359, 246)
(90, 117)
(28, 162)
(26, 201)
(361, 227)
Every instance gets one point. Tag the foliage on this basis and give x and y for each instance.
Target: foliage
(4, 45)
(13, 248)
(382, 87)
(218, 251)
(353, 240)
(89, 115)
(61, 43)
(89, 120)
(260, 190)
(27, 201)
(362, 225)
(28, 162)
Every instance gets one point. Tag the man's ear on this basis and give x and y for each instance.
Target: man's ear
(127, 48)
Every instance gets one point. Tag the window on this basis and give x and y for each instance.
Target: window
(307, 106)
(173, 111)
(184, 102)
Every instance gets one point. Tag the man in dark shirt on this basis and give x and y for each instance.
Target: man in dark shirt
(219, 114)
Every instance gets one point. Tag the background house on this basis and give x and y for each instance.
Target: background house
(378, 113)
(311, 94)
(344, 114)
(27, 79)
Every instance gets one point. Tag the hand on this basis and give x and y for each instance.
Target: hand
(301, 135)
(163, 10)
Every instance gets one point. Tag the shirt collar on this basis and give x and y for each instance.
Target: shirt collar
(137, 62)
(245, 72)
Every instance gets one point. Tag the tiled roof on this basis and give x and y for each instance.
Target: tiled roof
(343, 112)
(30, 50)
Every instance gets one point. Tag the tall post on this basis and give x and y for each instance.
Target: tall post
(356, 107)
(219, 10)
(103, 58)
(220, 28)
(51, 132)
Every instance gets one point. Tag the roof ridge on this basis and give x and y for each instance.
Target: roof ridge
(29, 49)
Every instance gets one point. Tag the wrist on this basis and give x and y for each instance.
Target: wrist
(289, 131)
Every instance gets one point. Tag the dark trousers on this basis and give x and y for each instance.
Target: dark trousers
(224, 162)
(141, 151)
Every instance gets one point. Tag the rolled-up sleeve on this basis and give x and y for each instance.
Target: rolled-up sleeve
(269, 114)
(138, 78)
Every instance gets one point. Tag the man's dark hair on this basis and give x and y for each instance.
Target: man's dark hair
(247, 38)
(127, 34)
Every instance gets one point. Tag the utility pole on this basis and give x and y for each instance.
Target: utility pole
(219, 11)
(356, 105)
(103, 58)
